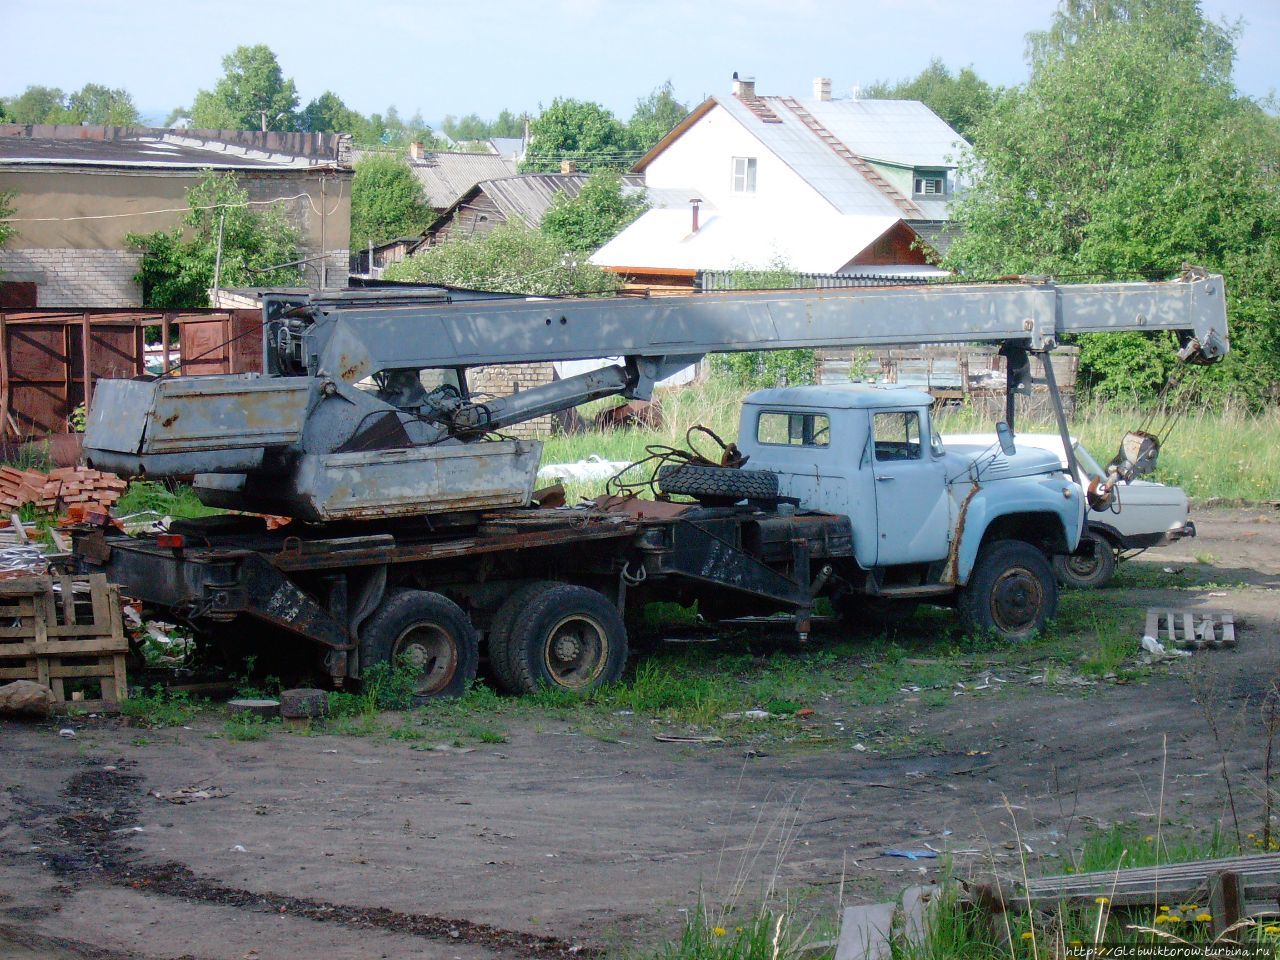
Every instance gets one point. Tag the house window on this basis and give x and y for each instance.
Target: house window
(744, 174)
(930, 183)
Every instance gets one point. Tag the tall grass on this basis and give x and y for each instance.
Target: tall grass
(1230, 454)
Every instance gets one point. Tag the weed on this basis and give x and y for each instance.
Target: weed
(160, 708)
(248, 727)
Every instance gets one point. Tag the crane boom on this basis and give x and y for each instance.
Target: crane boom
(342, 426)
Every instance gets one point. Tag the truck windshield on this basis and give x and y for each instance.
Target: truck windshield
(1088, 465)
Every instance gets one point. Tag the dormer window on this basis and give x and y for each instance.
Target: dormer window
(930, 183)
(744, 174)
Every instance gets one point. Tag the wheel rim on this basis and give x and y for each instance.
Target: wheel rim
(576, 652)
(429, 648)
(1085, 568)
(1017, 598)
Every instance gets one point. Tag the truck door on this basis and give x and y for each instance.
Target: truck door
(911, 504)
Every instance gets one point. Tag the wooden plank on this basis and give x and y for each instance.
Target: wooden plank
(865, 932)
(66, 648)
(1225, 899)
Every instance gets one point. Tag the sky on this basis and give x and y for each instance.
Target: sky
(481, 56)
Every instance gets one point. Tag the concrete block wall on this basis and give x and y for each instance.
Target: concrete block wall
(66, 277)
(506, 379)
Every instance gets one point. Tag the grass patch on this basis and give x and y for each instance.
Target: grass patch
(160, 708)
(177, 500)
(248, 727)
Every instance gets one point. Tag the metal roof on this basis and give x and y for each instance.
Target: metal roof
(528, 196)
(65, 145)
(904, 132)
(845, 396)
(445, 177)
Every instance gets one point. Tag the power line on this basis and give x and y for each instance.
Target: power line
(149, 213)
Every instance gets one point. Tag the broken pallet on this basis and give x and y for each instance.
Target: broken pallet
(1191, 629)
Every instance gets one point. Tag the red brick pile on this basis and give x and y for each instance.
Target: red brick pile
(57, 490)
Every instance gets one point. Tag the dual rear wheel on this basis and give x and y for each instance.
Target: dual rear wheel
(547, 635)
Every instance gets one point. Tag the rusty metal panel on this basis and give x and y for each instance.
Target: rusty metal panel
(226, 342)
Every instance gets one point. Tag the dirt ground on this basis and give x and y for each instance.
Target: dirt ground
(556, 843)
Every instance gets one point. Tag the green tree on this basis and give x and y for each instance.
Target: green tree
(177, 268)
(767, 368)
(328, 114)
(577, 130)
(655, 116)
(510, 258)
(962, 98)
(6, 210)
(1129, 153)
(102, 106)
(38, 104)
(252, 94)
(587, 222)
(387, 201)
(472, 127)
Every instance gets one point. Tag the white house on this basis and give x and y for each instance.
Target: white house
(818, 185)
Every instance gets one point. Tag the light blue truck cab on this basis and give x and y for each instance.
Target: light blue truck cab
(974, 525)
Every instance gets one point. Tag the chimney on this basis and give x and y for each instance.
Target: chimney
(415, 150)
(568, 166)
(744, 87)
(694, 204)
(822, 88)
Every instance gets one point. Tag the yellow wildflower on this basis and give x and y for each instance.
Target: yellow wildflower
(1164, 908)
(1028, 935)
(719, 931)
(1102, 900)
(1149, 838)
(1203, 917)
(1271, 928)
(1163, 918)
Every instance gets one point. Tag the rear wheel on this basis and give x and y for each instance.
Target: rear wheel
(1011, 591)
(498, 641)
(428, 633)
(565, 637)
(1092, 568)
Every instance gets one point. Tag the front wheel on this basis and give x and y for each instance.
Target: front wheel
(427, 633)
(1011, 591)
(1092, 566)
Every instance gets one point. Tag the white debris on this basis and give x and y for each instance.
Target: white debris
(594, 467)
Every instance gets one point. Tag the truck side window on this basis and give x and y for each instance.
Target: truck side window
(794, 429)
(897, 436)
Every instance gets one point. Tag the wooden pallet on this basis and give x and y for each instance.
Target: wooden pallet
(59, 629)
(1191, 629)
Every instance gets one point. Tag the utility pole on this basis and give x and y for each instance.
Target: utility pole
(217, 260)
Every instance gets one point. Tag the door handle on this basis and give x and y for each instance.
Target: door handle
(883, 479)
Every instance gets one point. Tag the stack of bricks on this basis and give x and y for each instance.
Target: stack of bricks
(59, 489)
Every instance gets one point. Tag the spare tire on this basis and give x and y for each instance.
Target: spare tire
(718, 484)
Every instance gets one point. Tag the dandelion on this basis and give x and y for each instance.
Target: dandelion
(719, 931)
(1164, 908)
(1271, 928)
(1163, 918)
(1101, 900)
(1028, 935)
(1149, 838)
(1203, 917)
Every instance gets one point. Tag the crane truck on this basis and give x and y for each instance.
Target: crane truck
(416, 536)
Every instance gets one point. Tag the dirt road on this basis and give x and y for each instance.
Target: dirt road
(557, 843)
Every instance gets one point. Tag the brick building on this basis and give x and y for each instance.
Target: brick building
(76, 192)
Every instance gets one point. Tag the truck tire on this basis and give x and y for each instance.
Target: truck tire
(1087, 572)
(498, 641)
(718, 483)
(567, 638)
(429, 631)
(1011, 591)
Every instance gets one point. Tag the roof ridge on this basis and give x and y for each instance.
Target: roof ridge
(841, 150)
